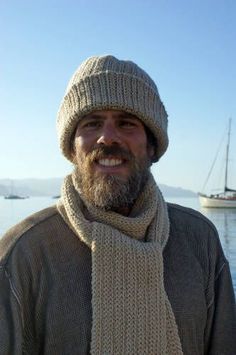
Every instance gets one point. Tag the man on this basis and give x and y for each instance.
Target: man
(112, 269)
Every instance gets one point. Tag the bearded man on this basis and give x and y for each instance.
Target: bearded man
(113, 269)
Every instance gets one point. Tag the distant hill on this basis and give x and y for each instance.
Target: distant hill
(51, 187)
(170, 191)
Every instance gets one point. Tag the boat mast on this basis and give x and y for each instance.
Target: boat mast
(227, 157)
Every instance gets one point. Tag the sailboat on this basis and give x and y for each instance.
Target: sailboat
(12, 196)
(226, 198)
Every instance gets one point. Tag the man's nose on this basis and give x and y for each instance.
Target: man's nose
(109, 135)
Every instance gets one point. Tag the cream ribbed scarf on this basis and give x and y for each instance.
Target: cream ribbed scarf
(131, 310)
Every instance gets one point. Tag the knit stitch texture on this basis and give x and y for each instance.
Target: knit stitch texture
(131, 310)
(105, 83)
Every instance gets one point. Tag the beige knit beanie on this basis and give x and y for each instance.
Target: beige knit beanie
(103, 83)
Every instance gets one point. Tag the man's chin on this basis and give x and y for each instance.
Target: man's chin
(120, 174)
(112, 179)
(108, 193)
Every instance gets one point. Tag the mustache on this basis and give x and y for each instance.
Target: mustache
(106, 151)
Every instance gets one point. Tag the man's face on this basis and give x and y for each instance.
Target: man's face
(112, 158)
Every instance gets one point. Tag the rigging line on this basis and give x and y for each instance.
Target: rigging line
(227, 157)
(214, 161)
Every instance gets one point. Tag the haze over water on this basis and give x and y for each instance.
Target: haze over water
(13, 211)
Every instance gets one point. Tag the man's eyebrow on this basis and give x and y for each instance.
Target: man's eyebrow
(128, 115)
(92, 116)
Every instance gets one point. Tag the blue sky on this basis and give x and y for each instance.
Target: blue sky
(188, 48)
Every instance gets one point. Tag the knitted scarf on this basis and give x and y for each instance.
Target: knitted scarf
(131, 310)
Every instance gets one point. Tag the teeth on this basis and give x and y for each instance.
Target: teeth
(110, 162)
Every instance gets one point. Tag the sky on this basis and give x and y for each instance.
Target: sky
(188, 47)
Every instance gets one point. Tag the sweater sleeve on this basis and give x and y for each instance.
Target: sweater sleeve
(221, 327)
(11, 327)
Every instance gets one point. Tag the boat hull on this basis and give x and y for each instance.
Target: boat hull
(14, 197)
(214, 202)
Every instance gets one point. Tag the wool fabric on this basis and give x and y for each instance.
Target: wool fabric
(105, 83)
(131, 310)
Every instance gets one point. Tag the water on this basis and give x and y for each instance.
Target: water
(225, 222)
(13, 211)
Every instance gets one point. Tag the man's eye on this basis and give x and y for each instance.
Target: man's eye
(91, 124)
(127, 124)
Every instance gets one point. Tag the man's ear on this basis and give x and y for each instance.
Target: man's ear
(72, 150)
(72, 145)
(151, 151)
(151, 143)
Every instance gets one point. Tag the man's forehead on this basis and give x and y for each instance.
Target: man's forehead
(110, 113)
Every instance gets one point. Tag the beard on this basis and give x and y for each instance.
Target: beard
(107, 191)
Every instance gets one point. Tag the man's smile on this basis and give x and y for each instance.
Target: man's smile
(110, 165)
(110, 162)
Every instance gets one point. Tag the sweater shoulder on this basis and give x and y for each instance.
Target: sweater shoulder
(193, 228)
(189, 218)
(31, 226)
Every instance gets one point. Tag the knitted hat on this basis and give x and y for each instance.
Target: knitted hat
(105, 83)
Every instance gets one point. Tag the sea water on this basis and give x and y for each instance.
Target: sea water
(13, 211)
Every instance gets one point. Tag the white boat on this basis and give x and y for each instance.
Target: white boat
(226, 198)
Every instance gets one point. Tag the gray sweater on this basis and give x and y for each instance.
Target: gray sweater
(45, 287)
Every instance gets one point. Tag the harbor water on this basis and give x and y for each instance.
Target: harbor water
(13, 211)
